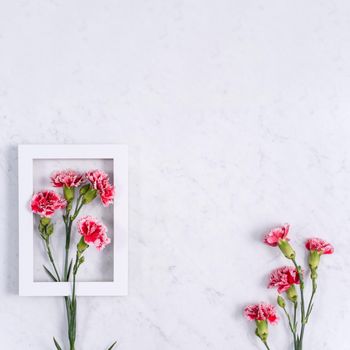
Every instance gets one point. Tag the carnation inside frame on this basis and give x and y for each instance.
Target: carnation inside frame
(98, 266)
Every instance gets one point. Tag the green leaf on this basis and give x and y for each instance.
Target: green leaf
(49, 273)
(56, 344)
(112, 346)
(69, 269)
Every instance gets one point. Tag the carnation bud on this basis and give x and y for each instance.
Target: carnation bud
(84, 189)
(82, 246)
(286, 249)
(81, 260)
(262, 329)
(49, 229)
(89, 196)
(69, 206)
(292, 294)
(45, 221)
(68, 193)
(281, 302)
(314, 259)
(44, 224)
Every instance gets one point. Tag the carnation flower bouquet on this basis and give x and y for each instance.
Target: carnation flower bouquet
(78, 190)
(294, 306)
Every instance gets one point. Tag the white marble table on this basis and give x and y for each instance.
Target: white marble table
(237, 118)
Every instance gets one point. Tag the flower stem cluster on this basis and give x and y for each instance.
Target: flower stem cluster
(78, 191)
(285, 279)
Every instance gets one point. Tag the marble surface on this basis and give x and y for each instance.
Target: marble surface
(237, 118)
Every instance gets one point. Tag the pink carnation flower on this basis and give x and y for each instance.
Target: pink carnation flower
(100, 182)
(319, 245)
(261, 312)
(273, 237)
(94, 232)
(45, 203)
(283, 278)
(68, 178)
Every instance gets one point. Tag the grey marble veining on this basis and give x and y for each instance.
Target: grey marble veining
(237, 118)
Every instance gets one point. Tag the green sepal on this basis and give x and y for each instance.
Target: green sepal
(314, 260)
(286, 249)
(292, 294)
(68, 193)
(45, 221)
(84, 189)
(262, 329)
(89, 196)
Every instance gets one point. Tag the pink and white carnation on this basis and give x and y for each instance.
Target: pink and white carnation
(283, 278)
(273, 237)
(93, 232)
(45, 203)
(100, 182)
(319, 245)
(261, 312)
(68, 178)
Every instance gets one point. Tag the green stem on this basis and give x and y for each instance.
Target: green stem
(68, 220)
(267, 347)
(49, 253)
(291, 326)
(310, 305)
(70, 302)
(295, 325)
(68, 236)
(302, 309)
(72, 324)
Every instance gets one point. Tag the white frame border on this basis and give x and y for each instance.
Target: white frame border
(26, 155)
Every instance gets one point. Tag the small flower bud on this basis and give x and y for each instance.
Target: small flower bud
(292, 294)
(45, 221)
(286, 249)
(281, 302)
(84, 189)
(89, 196)
(45, 228)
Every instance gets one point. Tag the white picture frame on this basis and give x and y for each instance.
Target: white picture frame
(26, 156)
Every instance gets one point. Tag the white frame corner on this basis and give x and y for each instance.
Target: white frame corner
(26, 155)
